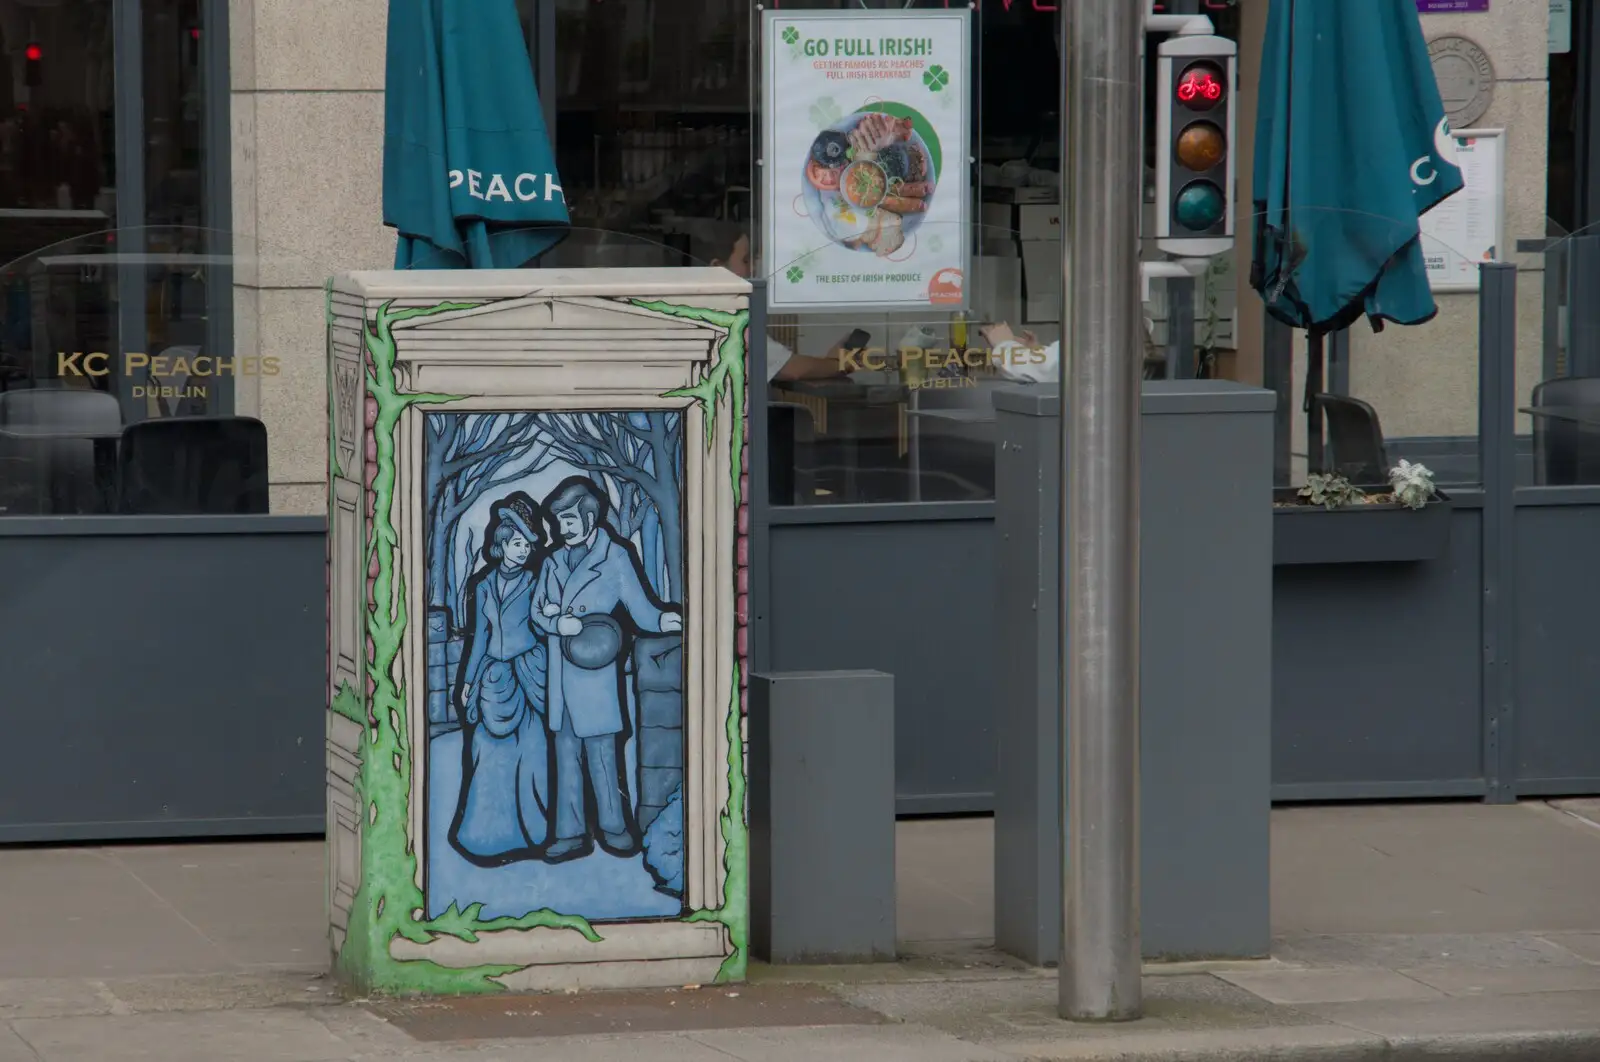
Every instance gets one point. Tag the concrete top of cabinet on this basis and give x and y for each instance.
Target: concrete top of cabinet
(677, 281)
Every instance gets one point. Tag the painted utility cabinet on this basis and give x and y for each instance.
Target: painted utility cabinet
(536, 583)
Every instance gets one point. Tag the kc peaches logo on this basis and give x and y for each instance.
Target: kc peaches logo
(946, 287)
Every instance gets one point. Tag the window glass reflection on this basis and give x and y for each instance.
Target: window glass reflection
(117, 388)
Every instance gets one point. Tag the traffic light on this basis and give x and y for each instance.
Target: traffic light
(1195, 78)
(33, 66)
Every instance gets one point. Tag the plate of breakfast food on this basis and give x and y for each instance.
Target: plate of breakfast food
(869, 179)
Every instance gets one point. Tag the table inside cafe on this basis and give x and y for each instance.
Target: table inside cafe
(873, 437)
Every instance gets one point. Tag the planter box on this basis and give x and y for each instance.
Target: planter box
(1361, 534)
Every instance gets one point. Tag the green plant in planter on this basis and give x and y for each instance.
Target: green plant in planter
(1330, 491)
(1217, 269)
(1412, 484)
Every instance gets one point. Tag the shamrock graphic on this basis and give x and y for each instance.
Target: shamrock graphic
(936, 78)
(825, 112)
(790, 35)
(935, 244)
(795, 274)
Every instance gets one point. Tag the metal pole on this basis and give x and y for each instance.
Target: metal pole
(1103, 174)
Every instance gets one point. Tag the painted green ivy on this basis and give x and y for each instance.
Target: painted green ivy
(725, 380)
(388, 904)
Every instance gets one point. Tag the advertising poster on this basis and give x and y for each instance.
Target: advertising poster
(866, 175)
(1464, 231)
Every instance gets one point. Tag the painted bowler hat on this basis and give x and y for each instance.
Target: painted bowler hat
(596, 646)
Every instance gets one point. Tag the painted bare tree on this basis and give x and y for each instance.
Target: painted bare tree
(638, 454)
(468, 456)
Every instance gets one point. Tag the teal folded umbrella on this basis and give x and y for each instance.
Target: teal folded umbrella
(1352, 147)
(469, 174)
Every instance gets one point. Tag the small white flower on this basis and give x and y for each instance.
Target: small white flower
(1412, 484)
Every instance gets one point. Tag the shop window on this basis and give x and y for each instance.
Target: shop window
(656, 114)
(114, 277)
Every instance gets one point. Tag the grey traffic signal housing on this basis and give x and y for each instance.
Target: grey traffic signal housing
(1196, 86)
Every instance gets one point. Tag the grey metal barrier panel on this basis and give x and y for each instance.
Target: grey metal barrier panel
(907, 590)
(164, 677)
(1205, 671)
(822, 817)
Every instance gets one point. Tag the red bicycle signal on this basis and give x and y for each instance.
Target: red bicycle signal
(1201, 87)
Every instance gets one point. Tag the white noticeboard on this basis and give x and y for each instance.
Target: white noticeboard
(1468, 228)
(866, 169)
(1560, 27)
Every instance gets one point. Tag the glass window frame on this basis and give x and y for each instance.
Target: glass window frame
(133, 201)
(216, 168)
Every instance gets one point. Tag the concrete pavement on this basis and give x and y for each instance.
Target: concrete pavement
(1425, 931)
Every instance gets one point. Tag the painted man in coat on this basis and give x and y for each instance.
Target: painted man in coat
(591, 593)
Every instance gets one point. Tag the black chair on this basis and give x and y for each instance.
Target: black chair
(1355, 440)
(791, 454)
(1565, 452)
(193, 466)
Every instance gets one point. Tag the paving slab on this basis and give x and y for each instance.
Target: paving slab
(1323, 1043)
(278, 1035)
(1003, 1013)
(1585, 808)
(75, 913)
(1456, 980)
(223, 991)
(894, 1043)
(938, 898)
(53, 997)
(1345, 984)
(1396, 951)
(12, 1048)
(1584, 945)
(1547, 1013)
(595, 1013)
(1420, 868)
(661, 1047)
(259, 903)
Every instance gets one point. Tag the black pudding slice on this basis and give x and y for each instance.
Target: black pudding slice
(830, 149)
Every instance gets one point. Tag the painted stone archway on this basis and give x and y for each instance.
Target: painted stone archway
(536, 674)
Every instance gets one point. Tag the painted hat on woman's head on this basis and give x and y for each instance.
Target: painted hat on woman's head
(519, 513)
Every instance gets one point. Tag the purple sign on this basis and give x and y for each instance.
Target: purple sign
(1439, 7)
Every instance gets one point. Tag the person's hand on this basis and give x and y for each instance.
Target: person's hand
(569, 626)
(671, 623)
(551, 610)
(998, 333)
(469, 701)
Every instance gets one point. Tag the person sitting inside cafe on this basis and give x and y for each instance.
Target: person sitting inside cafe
(783, 364)
(1001, 337)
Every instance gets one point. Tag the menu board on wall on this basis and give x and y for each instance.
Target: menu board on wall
(866, 174)
(1467, 229)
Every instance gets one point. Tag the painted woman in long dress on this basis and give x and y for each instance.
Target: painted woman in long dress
(504, 810)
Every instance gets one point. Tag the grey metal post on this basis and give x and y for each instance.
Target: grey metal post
(1583, 310)
(758, 457)
(1497, 391)
(1277, 376)
(1180, 328)
(1100, 967)
(1339, 362)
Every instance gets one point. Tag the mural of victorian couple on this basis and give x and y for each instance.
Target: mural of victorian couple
(555, 677)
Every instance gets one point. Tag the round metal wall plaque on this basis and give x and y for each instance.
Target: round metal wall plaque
(1465, 76)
